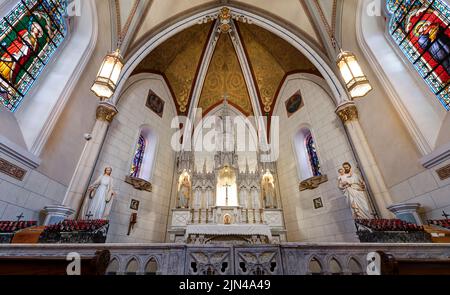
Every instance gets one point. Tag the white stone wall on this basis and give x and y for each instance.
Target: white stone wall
(47, 184)
(413, 108)
(427, 189)
(118, 152)
(334, 222)
(28, 196)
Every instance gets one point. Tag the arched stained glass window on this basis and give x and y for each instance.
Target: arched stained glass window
(136, 166)
(421, 30)
(29, 35)
(312, 154)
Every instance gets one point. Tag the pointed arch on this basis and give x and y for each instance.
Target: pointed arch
(294, 38)
(152, 266)
(132, 266)
(315, 267)
(334, 266)
(354, 266)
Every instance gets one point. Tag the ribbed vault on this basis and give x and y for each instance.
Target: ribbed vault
(269, 58)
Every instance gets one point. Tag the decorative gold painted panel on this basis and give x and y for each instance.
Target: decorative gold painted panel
(225, 77)
(271, 59)
(12, 170)
(178, 58)
(444, 172)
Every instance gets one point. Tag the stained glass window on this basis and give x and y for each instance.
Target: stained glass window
(29, 35)
(312, 154)
(136, 166)
(421, 30)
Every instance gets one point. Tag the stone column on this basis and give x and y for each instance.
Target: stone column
(86, 164)
(348, 113)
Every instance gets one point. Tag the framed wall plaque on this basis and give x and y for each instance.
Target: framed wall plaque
(318, 203)
(134, 205)
(155, 103)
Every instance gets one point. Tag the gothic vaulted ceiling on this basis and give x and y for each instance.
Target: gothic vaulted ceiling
(269, 57)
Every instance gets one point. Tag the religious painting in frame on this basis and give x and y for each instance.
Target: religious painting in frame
(155, 103)
(318, 203)
(134, 205)
(294, 103)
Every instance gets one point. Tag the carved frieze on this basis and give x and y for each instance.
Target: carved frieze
(12, 170)
(139, 184)
(444, 172)
(313, 182)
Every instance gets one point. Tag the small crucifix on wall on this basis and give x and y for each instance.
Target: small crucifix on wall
(89, 215)
(20, 217)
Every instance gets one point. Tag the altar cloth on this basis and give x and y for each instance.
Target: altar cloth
(229, 230)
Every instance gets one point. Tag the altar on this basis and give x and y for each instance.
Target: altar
(233, 233)
(225, 201)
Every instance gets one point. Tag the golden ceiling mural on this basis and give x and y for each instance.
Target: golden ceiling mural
(270, 58)
(178, 59)
(225, 77)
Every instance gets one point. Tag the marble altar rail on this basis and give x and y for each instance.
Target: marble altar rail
(287, 258)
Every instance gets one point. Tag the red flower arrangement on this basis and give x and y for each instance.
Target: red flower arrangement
(7, 227)
(445, 223)
(389, 225)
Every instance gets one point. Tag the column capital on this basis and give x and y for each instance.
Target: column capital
(106, 111)
(347, 112)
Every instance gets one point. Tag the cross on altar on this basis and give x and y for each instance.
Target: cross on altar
(226, 186)
(445, 215)
(89, 215)
(20, 217)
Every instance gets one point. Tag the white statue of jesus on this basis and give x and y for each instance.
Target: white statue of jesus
(98, 204)
(354, 189)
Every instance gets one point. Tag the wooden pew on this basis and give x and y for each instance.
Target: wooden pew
(41, 265)
(392, 266)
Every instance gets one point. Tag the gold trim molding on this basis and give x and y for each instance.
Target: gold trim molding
(106, 112)
(348, 113)
(12, 170)
(313, 182)
(139, 184)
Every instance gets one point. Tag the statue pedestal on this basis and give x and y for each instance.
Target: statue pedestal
(56, 214)
(408, 212)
